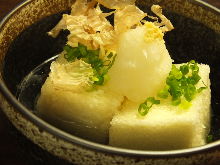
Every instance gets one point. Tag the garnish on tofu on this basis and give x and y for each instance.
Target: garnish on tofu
(91, 34)
(181, 83)
(74, 76)
(180, 86)
(152, 32)
(209, 138)
(92, 57)
(144, 107)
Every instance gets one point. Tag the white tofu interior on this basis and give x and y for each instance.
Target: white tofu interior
(86, 114)
(165, 127)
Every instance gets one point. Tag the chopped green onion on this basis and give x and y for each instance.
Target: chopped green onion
(82, 49)
(183, 84)
(201, 89)
(209, 138)
(176, 101)
(144, 108)
(180, 85)
(184, 69)
(176, 73)
(110, 55)
(164, 93)
(100, 66)
(189, 92)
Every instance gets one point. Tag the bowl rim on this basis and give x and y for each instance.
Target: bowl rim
(40, 123)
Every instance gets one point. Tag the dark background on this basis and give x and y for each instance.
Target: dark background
(8, 147)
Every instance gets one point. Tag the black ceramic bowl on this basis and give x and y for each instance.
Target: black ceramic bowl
(24, 45)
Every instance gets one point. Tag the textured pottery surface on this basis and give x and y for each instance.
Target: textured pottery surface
(24, 44)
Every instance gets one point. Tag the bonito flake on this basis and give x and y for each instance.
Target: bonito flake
(165, 24)
(116, 4)
(89, 26)
(71, 75)
(127, 17)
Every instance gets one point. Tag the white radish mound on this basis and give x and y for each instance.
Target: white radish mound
(141, 67)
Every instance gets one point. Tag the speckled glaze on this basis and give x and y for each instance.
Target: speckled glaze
(48, 144)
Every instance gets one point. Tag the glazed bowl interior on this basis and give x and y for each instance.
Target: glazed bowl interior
(24, 44)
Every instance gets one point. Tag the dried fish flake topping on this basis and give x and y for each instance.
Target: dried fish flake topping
(127, 18)
(71, 76)
(79, 8)
(89, 26)
(116, 4)
(165, 24)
